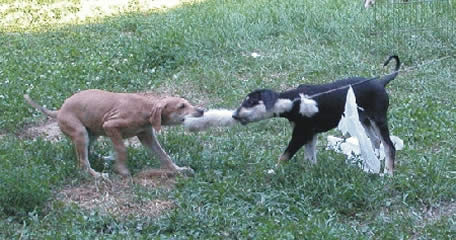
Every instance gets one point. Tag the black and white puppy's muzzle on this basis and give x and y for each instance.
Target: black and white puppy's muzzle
(263, 104)
(254, 113)
(256, 106)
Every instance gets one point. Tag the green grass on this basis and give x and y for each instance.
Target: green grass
(202, 51)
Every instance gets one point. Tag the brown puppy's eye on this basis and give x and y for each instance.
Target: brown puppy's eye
(182, 106)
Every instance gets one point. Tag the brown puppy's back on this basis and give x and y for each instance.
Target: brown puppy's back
(95, 107)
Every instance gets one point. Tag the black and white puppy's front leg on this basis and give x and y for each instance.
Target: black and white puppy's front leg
(300, 137)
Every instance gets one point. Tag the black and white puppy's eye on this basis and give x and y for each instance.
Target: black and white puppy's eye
(249, 102)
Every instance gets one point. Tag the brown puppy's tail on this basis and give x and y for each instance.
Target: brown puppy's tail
(46, 111)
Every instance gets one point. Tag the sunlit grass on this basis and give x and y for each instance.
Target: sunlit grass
(41, 15)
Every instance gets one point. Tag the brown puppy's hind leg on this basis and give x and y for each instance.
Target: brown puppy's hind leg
(74, 129)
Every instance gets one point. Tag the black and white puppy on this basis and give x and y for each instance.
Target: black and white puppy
(313, 109)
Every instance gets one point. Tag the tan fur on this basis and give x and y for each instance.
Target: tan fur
(92, 113)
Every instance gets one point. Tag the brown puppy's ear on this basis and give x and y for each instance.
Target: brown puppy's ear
(156, 117)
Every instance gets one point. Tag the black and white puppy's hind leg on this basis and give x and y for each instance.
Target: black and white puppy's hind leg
(381, 128)
(311, 150)
(370, 131)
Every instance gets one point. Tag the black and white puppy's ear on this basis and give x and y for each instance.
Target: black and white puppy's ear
(269, 98)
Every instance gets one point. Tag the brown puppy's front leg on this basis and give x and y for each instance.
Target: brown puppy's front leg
(150, 142)
(112, 131)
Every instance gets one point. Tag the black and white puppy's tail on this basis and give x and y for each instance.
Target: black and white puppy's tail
(386, 79)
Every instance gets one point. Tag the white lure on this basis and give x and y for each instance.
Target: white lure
(211, 118)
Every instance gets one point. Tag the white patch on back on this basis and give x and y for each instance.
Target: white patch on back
(308, 107)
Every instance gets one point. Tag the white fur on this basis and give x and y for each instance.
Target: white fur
(308, 106)
(368, 3)
(283, 105)
(211, 118)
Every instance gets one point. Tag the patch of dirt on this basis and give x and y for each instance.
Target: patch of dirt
(118, 198)
(48, 130)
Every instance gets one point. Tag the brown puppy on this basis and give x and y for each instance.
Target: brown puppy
(92, 113)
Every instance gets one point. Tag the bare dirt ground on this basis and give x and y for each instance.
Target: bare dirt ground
(119, 198)
(48, 130)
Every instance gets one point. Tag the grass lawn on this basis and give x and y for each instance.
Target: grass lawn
(213, 52)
